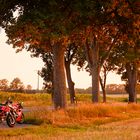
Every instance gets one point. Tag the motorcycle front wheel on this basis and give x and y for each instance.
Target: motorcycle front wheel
(10, 120)
(20, 119)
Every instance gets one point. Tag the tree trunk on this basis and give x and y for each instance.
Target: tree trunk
(92, 56)
(95, 73)
(103, 90)
(95, 83)
(70, 83)
(132, 78)
(59, 79)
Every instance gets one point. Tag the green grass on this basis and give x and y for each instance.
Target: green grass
(28, 99)
(40, 99)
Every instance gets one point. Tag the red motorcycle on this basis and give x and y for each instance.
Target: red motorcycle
(18, 112)
(6, 114)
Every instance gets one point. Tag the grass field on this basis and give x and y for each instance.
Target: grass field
(115, 120)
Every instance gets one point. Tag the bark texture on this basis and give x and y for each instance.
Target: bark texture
(92, 56)
(95, 74)
(132, 78)
(70, 83)
(59, 79)
(103, 89)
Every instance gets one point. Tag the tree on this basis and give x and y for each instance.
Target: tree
(39, 25)
(73, 55)
(114, 88)
(6, 9)
(47, 71)
(128, 55)
(69, 55)
(96, 35)
(130, 75)
(29, 87)
(138, 88)
(4, 84)
(16, 85)
(108, 65)
(103, 75)
(102, 36)
(98, 45)
(126, 58)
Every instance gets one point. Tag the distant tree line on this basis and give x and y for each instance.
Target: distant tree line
(110, 89)
(16, 85)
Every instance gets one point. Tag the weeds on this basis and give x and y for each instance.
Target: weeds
(85, 114)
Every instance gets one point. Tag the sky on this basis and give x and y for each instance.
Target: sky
(23, 66)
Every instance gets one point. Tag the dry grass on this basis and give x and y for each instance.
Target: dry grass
(84, 114)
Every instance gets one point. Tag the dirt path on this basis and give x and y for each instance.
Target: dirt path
(122, 130)
(3, 125)
(127, 123)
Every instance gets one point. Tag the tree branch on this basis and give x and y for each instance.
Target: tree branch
(110, 48)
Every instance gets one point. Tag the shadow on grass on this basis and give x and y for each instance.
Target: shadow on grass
(138, 100)
(33, 121)
(126, 100)
(36, 121)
